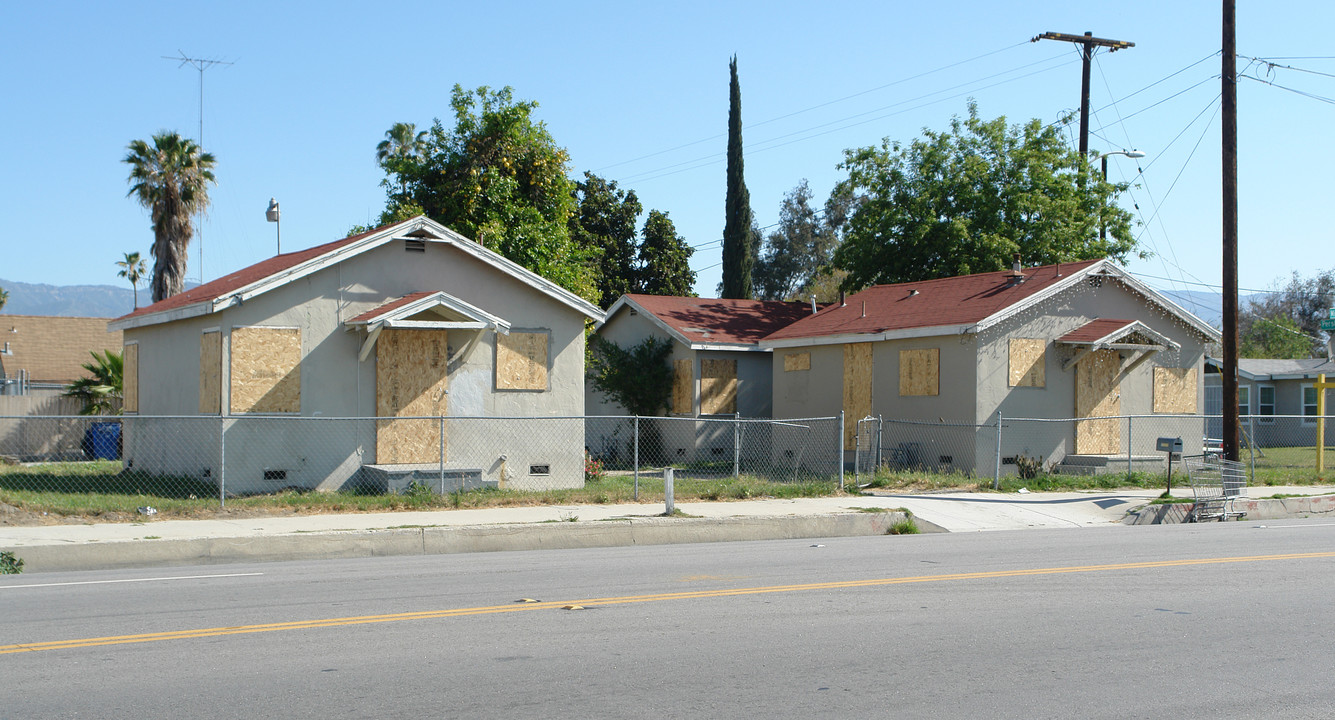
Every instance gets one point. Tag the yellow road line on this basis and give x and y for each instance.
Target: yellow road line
(690, 595)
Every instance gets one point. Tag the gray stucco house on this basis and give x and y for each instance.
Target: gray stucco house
(1076, 340)
(409, 320)
(1277, 399)
(719, 369)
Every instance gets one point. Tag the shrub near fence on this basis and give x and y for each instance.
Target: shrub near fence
(193, 457)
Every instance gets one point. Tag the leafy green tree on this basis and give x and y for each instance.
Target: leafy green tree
(498, 177)
(605, 226)
(402, 142)
(1277, 338)
(796, 251)
(1298, 306)
(638, 378)
(967, 199)
(4, 298)
(665, 258)
(133, 269)
(740, 240)
(170, 178)
(100, 392)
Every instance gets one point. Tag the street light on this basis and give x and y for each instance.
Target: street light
(1103, 158)
(273, 216)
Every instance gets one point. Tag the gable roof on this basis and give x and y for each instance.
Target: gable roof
(1263, 369)
(279, 270)
(52, 349)
(711, 323)
(1106, 332)
(959, 305)
(397, 312)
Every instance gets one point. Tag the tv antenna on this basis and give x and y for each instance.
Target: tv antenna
(200, 64)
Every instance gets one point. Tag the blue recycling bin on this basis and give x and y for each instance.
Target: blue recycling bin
(102, 441)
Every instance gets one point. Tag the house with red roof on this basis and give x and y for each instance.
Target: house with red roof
(719, 370)
(1081, 340)
(285, 362)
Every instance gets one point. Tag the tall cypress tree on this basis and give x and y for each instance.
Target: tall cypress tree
(739, 241)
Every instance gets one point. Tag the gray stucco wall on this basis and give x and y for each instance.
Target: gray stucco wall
(686, 437)
(335, 384)
(974, 385)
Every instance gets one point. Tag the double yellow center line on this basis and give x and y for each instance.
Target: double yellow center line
(621, 600)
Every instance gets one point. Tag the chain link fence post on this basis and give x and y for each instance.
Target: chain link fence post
(996, 457)
(668, 491)
(1129, 446)
(839, 450)
(637, 457)
(736, 446)
(222, 462)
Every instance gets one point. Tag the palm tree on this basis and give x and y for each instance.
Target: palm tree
(102, 388)
(132, 269)
(402, 143)
(4, 298)
(170, 178)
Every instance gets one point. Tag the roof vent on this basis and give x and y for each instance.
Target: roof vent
(414, 245)
(913, 291)
(1016, 275)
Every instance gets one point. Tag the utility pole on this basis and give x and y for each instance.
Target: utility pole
(201, 65)
(1087, 43)
(1229, 106)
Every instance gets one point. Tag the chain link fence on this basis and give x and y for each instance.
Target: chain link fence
(253, 455)
(1278, 449)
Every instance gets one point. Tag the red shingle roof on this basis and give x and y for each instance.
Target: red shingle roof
(961, 300)
(215, 289)
(1094, 330)
(710, 320)
(389, 307)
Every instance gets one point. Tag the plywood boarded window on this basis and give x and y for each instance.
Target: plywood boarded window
(920, 372)
(1174, 390)
(521, 361)
(718, 387)
(210, 373)
(793, 362)
(130, 378)
(266, 370)
(1027, 362)
(683, 386)
(857, 389)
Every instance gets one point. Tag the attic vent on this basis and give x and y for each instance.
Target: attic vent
(414, 245)
(275, 474)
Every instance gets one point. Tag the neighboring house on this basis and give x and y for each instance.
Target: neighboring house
(719, 369)
(1267, 388)
(40, 355)
(1075, 340)
(409, 320)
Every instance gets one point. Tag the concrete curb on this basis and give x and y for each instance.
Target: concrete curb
(441, 540)
(1258, 509)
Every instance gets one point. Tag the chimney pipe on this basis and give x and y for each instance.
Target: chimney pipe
(1016, 267)
(813, 304)
(841, 299)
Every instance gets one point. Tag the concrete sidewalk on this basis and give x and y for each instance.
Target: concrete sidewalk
(181, 542)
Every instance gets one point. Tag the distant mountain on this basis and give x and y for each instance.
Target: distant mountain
(69, 300)
(1208, 306)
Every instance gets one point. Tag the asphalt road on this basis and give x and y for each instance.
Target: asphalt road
(1166, 621)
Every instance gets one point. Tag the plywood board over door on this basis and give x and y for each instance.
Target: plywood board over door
(1097, 395)
(410, 382)
(857, 389)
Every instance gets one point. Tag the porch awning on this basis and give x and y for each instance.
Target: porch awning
(425, 311)
(1111, 334)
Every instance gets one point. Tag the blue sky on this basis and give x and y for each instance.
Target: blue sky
(638, 93)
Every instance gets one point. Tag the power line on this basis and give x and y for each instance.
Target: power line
(818, 106)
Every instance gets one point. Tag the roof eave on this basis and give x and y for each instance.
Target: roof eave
(198, 309)
(845, 338)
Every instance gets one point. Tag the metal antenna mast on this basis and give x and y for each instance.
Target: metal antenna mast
(200, 64)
